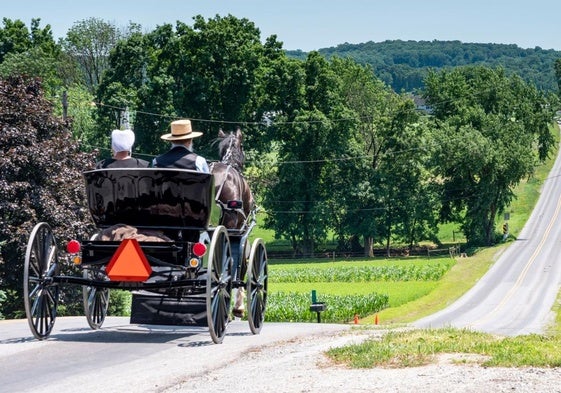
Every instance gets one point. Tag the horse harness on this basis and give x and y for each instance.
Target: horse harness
(225, 206)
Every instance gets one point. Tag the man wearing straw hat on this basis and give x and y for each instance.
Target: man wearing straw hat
(181, 154)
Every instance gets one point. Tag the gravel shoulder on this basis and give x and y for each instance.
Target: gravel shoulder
(299, 365)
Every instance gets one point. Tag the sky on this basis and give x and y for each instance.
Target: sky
(315, 24)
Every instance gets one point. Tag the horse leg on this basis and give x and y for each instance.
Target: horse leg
(238, 304)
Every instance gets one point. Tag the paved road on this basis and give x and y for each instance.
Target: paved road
(129, 358)
(516, 295)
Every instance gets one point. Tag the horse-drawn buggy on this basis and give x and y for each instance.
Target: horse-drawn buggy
(160, 236)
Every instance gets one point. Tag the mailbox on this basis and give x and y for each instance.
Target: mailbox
(318, 307)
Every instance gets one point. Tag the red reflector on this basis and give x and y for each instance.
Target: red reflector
(199, 249)
(73, 247)
(235, 204)
(129, 263)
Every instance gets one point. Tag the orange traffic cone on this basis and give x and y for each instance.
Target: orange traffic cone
(356, 319)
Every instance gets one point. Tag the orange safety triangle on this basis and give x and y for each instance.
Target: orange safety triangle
(129, 263)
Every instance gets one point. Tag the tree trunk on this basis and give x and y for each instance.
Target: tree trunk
(490, 224)
(368, 246)
(388, 254)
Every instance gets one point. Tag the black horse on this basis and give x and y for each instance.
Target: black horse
(232, 190)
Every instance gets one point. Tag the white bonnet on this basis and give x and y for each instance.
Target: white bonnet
(122, 140)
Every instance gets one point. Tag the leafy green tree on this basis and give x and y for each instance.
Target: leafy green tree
(383, 189)
(557, 67)
(33, 62)
(15, 37)
(123, 85)
(89, 42)
(33, 52)
(80, 112)
(403, 184)
(277, 94)
(40, 181)
(309, 141)
(207, 72)
(488, 126)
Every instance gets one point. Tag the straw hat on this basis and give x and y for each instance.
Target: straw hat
(181, 129)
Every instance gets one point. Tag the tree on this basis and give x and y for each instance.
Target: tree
(309, 141)
(492, 130)
(33, 62)
(557, 68)
(80, 112)
(383, 189)
(124, 86)
(207, 72)
(89, 42)
(33, 52)
(403, 65)
(15, 37)
(40, 180)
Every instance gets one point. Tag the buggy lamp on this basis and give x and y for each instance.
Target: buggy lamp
(194, 262)
(199, 249)
(73, 247)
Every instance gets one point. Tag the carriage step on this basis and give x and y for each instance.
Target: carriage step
(161, 310)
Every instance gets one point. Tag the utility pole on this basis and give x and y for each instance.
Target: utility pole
(64, 105)
(124, 123)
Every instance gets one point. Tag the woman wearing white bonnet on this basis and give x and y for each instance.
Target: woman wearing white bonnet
(121, 146)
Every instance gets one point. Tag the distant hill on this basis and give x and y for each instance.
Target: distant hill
(403, 64)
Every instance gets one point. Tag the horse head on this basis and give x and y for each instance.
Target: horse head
(230, 149)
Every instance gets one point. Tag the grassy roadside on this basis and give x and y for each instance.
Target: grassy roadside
(418, 347)
(414, 348)
(454, 284)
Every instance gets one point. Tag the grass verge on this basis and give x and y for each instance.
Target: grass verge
(420, 347)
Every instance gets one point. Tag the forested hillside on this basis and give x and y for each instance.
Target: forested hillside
(404, 64)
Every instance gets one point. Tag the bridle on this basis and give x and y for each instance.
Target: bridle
(229, 156)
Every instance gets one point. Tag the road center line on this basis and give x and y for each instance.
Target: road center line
(525, 270)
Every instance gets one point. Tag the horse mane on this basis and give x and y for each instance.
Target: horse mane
(230, 149)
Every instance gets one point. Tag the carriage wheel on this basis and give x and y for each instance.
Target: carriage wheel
(96, 300)
(219, 284)
(39, 291)
(256, 286)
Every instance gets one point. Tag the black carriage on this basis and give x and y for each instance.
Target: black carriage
(159, 236)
